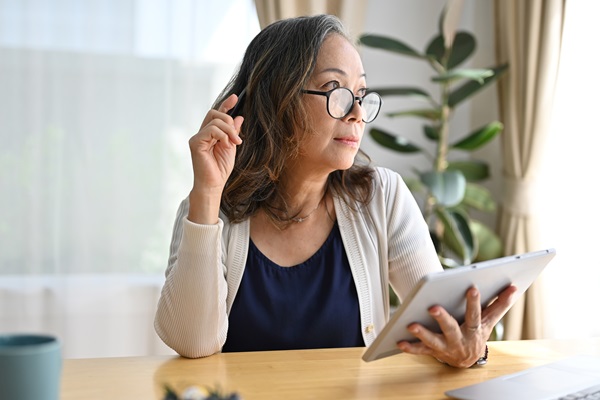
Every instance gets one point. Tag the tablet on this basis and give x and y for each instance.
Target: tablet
(448, 289)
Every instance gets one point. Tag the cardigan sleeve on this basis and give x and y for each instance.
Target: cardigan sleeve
(411, 253)
(191, 317)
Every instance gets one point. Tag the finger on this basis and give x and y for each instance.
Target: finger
(207, 138)
(221, 112)
(229, 103)
(435, 341)
(496, 310)
(237, 124)
(221, 130)
(417, 348)
(473, 313)
(213, 115)
(449, 326)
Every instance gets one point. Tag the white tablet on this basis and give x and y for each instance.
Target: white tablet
(448, 289)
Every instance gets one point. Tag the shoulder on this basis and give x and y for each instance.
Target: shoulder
(387, 182)
(392, 196)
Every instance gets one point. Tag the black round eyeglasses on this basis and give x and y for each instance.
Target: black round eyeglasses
(340, 102)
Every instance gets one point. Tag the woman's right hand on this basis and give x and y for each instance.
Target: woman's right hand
(213, 155)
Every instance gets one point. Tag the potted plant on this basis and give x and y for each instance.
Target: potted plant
(450, 189)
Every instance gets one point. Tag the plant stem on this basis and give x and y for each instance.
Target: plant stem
(441, 162)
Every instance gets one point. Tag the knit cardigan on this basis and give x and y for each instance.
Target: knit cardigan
(387, 242)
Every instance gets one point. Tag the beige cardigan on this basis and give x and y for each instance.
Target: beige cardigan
(387, 242)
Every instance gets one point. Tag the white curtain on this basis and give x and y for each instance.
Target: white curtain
(98, 101)
(569, 182)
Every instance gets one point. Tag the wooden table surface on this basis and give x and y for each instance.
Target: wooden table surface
(304, 374)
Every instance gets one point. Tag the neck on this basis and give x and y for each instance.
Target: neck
(299, 218)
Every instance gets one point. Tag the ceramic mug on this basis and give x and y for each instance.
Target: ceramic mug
(30, 367)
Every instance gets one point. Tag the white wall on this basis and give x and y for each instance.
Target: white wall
(416, 23)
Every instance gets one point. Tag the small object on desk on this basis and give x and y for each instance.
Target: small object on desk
(197, 393)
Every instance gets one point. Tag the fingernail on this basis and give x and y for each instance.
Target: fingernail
(413, 329)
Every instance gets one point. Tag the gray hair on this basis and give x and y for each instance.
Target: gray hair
(275, 69)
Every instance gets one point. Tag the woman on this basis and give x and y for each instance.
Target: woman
(289, 238)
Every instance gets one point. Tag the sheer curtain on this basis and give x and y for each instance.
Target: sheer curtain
(98, 101)
(569, 182)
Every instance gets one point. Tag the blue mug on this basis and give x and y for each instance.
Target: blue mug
(30, 367)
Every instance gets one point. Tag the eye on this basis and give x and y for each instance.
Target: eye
(362, 92)
(331, 85)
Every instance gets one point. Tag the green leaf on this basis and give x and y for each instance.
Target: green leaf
(401, 91)
(462, 47)
(428, 113)
(478, 75)
(489, 244)
(473, 170)
(389, 44)
(448, 187)
(457, 233)
(479, 198)
(471, 87)
(479, 137)
(436, 50)
(432, 132)
(392, 142)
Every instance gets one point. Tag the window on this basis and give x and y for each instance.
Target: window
(99, 99)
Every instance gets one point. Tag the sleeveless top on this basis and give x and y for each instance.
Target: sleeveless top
(311, 305)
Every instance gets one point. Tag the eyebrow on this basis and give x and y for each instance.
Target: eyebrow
(338, 71)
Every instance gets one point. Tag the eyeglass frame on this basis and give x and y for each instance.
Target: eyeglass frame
(356, 98)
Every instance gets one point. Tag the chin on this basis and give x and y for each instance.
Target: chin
(346, 165)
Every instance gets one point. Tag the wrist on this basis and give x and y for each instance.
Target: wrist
(204, 208)
(481, 361)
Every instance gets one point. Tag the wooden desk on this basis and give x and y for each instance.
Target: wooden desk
(304, 374)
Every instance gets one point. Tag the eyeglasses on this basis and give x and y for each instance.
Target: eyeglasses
(340, 102)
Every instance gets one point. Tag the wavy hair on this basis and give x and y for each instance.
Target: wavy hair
(276, 67)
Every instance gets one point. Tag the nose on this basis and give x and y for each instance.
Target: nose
(356, 112)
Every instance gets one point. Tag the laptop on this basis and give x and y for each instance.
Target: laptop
(448, 288)
(567, 377)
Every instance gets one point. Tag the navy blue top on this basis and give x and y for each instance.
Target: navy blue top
(310, 305)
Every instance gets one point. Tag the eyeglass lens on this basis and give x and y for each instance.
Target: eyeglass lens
(341, 101)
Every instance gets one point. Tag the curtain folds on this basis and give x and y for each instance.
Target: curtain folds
(350, 12)
(528, 38)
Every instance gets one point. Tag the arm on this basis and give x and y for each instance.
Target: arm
(412, 255)
(411, 251)
(191, 316)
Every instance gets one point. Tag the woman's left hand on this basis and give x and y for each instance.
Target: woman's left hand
(460, 345)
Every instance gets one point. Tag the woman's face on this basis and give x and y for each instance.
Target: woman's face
(335, 142)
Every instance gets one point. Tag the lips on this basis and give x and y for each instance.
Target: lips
(348, 139)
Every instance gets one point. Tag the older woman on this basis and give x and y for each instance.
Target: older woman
(289, 238)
